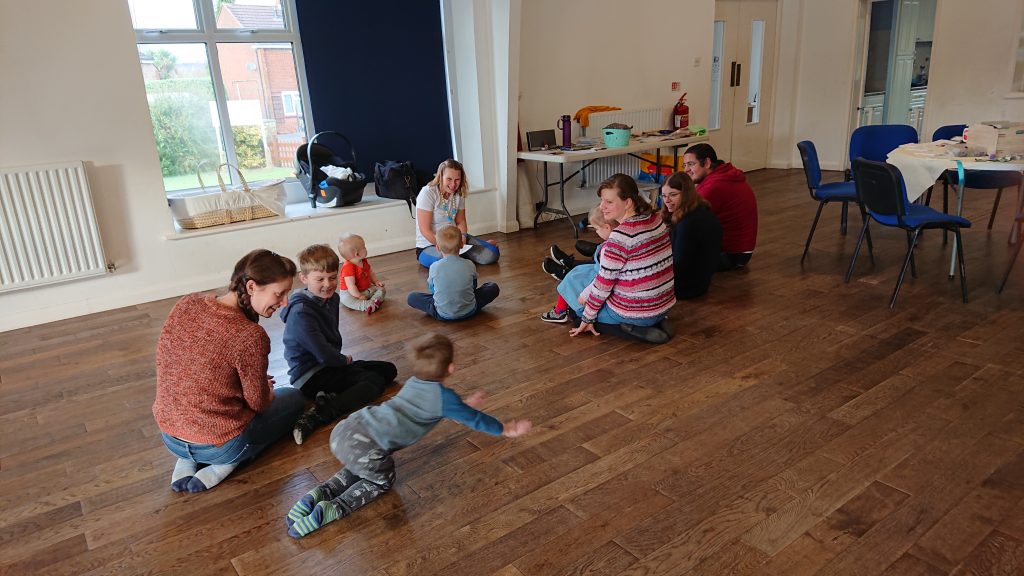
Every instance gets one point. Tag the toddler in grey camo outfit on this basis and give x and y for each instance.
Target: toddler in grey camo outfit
(365, 440)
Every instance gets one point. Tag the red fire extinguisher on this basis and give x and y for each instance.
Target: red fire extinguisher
(681, 113)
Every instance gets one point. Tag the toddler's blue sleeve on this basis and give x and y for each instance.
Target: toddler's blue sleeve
(453, 408)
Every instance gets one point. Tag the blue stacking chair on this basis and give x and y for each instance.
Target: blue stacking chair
(882, 195)
(824, 193)
(875, 142)
(948, 132)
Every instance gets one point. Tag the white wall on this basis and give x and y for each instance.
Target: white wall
(814, 88)
(73, 90)
(972, 63)
(575, 53)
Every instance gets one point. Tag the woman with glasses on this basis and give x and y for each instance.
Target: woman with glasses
(696, 235)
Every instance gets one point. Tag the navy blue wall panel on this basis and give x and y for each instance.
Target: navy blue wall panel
(375, 72)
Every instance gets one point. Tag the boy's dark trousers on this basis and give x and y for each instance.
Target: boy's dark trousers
(345, 388)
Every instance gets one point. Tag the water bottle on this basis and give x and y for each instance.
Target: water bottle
(565, 123)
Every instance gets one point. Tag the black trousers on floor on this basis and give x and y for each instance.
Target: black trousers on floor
(347, 388)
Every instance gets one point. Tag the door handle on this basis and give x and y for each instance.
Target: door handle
(732, 74)
(739, 68)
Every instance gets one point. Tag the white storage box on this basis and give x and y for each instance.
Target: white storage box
(203, 208)
(998, 138)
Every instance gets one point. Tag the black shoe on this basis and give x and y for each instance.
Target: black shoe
(652, 334)
(303, 429)
(556, 270)
(562, 258)
(586, 248)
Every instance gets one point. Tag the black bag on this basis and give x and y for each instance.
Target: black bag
(396, 180)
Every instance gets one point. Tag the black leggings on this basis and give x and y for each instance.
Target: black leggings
(347, 388)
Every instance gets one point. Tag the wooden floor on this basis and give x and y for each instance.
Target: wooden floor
(795, 425)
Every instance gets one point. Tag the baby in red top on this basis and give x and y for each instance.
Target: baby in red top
(359, 287)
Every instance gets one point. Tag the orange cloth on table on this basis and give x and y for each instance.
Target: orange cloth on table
(361, 274)
(583, 114)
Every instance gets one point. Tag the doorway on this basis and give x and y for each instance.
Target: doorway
(896, 63)
(742, 81)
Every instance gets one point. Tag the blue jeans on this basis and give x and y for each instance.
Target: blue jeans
(263, 430)
(424, 301)
(577, 280)
(481, 252)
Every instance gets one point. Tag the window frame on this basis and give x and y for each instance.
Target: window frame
(210, 35)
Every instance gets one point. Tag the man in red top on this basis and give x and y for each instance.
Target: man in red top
(725, 187)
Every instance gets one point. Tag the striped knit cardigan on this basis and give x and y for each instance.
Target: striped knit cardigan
(634, 275)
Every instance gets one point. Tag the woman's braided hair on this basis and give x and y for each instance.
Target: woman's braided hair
(262, 267)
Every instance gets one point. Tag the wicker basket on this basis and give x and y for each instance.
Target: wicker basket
(205, 208)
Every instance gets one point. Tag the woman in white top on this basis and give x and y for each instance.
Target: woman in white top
(443, 202)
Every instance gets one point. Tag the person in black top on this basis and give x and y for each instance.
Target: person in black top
(696, 235)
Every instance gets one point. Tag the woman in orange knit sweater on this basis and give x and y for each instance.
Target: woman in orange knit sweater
(215, 404)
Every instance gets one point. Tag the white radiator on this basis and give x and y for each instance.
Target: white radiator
(48, 230)
(642, 120)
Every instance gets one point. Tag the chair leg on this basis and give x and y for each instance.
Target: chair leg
(842, 222)
(945, 207)
(995, 207)
(910, 245)
(810, 234)
(963, 266)
(903, 270)
(871, 248)
(856, 250)
(1010, 266)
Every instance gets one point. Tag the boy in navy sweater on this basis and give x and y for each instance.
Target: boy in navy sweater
(365, 440)
(312, 347)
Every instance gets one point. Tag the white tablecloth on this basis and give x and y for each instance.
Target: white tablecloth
(922, 164)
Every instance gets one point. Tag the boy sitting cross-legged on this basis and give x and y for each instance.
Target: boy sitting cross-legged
(312, 347)
(365, 440)
(453, 294)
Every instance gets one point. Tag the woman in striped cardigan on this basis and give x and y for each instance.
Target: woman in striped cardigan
(634, 287)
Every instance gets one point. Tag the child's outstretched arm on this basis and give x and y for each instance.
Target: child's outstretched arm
(516, 428)
(454, 408)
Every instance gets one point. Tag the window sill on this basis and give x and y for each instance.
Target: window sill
(293, 213)
(299, 211)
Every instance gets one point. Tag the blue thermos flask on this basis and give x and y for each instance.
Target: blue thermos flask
(565, 123)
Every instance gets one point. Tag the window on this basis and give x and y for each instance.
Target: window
(291, 103)
(224, 83)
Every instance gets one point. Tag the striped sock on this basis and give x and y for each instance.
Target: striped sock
(184, 470)
(209, 477)
(334, 487)
(323, 513)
